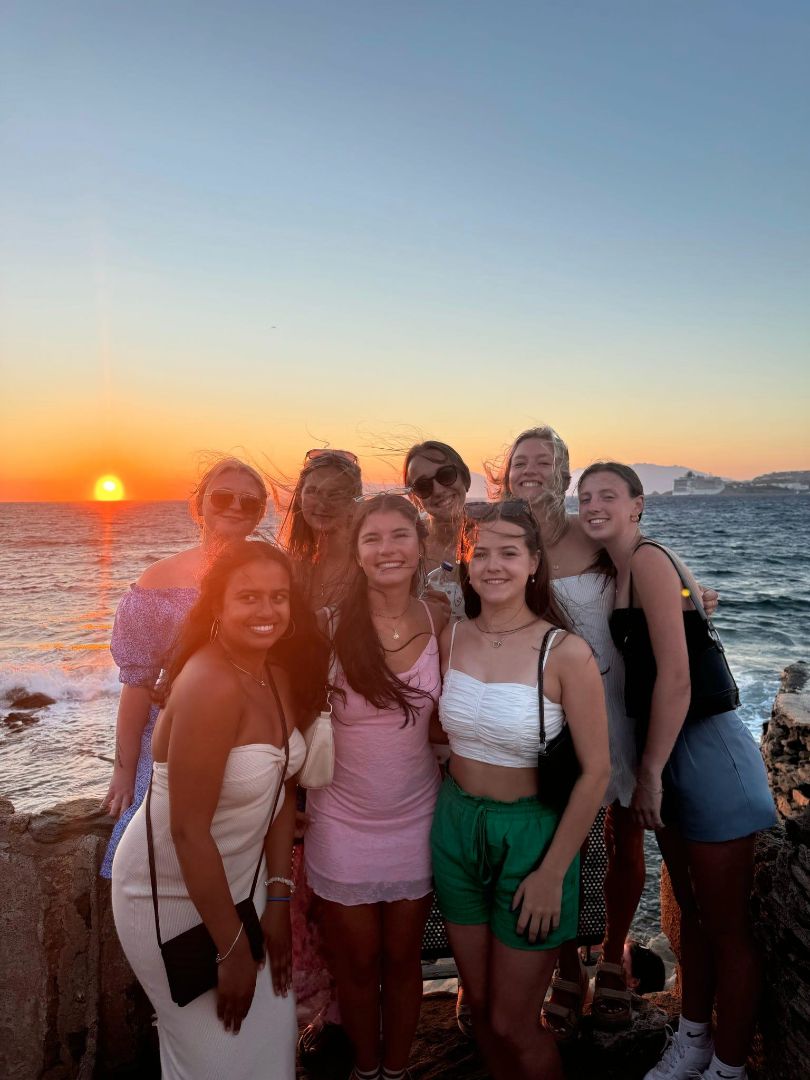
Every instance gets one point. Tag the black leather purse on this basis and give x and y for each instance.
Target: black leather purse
(558, 767)
(190, 957)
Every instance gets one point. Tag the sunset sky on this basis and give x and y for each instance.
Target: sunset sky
(267, 226)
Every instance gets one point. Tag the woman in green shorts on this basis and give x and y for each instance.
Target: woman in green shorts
(505, 863)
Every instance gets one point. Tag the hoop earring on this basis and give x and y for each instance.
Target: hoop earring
(288, 633)
(212, 637)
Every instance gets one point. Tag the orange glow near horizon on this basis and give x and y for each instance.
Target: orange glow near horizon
(109, 489)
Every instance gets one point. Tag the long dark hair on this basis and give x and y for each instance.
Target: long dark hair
(300, 539)
(304, 655)
(357, 644)
(539, 595)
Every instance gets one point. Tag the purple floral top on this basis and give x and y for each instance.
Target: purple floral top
(146, 625)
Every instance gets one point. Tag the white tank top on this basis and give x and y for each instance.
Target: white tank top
(497, 723)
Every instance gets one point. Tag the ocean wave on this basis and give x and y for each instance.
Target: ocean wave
(60, 683)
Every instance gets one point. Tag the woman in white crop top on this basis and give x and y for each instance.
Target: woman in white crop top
(505, 864)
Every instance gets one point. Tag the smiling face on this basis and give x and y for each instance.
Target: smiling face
(500, 563)
(388, 549)
(606, 506)
(531, 469)
(255, 607)
(236, 518)
(446, 501)
(326, 499)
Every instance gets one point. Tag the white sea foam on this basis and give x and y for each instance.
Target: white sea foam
(60, 683)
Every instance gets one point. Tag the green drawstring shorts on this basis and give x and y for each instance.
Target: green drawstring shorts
(482, 850)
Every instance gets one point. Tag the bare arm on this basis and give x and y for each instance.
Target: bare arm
(659, 595)
(206, 711)
(133, 715)
(583, 701)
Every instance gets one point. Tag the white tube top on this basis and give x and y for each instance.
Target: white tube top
(496, 723)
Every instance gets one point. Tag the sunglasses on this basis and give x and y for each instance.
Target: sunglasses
(249, 505)
(480, 510)
(446, 476)
(327, 451)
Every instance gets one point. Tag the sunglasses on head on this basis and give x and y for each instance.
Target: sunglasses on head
(446, 476)
(480, 510)
(327, 451)
(249, 505)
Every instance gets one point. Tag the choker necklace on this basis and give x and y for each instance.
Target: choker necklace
(496, 643)
(395, 628)
(250, 675)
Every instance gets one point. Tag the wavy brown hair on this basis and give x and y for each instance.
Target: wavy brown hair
(357, 644)
(304, 655)
(539, 595)
(551, 501)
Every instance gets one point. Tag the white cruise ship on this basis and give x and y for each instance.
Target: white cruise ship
(697, 485)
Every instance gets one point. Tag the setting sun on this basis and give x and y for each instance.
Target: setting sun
(109, 489)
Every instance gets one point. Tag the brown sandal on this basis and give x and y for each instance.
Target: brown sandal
(562, 1021)
(612, 1009)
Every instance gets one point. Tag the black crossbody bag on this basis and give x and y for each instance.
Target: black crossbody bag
(558, 767)
(190, 957)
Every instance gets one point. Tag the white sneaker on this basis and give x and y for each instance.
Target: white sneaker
(680, 1061)
(718, 1074)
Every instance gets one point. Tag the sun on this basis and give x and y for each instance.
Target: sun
(109, 489)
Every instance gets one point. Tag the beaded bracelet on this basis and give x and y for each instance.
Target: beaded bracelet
(275, 880)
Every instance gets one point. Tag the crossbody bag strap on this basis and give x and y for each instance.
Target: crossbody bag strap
(283, 776)
(696, 600)
(540, 669)
(150, 848)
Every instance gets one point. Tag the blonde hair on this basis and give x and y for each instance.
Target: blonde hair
(219, 466)
(549, 507)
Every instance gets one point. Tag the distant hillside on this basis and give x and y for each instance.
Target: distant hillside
(655, 478)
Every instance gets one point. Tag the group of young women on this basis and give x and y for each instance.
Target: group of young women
(523, 651)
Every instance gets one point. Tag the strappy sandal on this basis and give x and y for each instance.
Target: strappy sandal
(611, 1009)
(562, 1021)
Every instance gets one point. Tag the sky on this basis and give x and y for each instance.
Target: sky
(263, 227)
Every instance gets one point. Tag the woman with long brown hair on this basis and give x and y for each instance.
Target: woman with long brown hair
(248, 664)
(367, 851)
(505, 856)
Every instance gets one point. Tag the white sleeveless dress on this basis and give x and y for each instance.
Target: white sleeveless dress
(194, 1045)
(588, 601)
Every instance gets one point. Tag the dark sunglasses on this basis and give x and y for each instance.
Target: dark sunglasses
(446, 476)
(327, 451)
(249, 505)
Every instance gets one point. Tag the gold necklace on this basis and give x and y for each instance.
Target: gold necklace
(496, 644)
(395, 629)
(250, 675)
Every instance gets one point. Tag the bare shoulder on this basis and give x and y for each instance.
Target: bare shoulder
(207, 684)
(174, 572)
(653, 567)
(570, 651)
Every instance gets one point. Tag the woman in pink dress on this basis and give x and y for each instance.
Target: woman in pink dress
(367, 847)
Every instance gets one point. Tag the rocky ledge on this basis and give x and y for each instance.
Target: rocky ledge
(786, 742)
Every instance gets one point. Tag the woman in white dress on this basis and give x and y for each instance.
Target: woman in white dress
(220, 746)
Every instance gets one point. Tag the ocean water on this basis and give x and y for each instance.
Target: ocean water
(64, 566)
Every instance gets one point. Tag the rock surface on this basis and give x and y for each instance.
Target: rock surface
(786, 742)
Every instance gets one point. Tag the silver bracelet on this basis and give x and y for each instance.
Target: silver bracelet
(275, 880)
(233, 946)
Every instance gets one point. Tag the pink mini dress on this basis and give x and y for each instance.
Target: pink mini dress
(369, 835)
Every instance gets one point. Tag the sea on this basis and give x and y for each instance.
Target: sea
(65, 566)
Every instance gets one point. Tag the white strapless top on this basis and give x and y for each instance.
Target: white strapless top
(497, 723)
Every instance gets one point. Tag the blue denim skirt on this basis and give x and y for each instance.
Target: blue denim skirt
(715, 784)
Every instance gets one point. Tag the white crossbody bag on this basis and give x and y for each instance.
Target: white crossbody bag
(319, 764)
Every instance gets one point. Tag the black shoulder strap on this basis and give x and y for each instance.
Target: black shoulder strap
(540, 669)
(696, 600)
(150, 847)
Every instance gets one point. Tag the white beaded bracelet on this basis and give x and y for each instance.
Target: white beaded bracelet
(281, 881)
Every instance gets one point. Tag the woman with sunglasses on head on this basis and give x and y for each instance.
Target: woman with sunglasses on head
(367, 849)
(701, 782)
(315, 528)
(210, 848)
(506, 861)
(315, 533)
(536, 468)
(228, 504)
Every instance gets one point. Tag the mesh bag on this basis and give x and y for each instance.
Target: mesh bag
(591, 928)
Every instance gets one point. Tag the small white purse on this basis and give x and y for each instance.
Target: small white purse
(319, 764)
